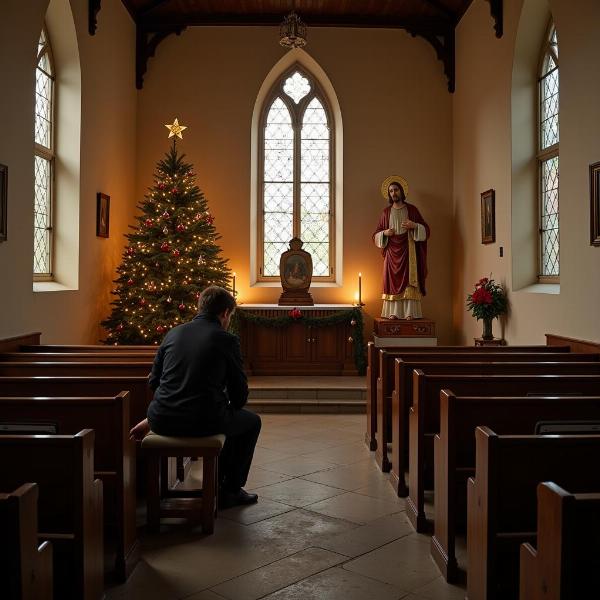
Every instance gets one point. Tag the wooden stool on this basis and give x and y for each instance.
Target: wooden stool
(192, 504)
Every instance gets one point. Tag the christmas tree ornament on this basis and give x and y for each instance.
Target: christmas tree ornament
(176, 252)
(353, 322)
(169, 300)
(165, 246)
(142, 302)
(165, 230)
(180, 227)
(130, 282)
(175, 129)
(200, 260)
(148, 222)
(120, 327)
(181, 306)
(160, 328)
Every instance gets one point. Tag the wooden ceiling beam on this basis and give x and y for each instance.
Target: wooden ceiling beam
(444, 10)
(150, 5)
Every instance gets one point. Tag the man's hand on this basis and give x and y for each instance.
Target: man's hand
(139, 431)
(389, 232)
(408, 224)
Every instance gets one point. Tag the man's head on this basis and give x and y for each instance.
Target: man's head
(217, 302)
(396, 192)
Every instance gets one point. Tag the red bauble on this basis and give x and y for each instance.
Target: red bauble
(180, 227)
(197, 217)
(165, 215)
(176, 252)
(165, 246)
(209, 219)
(174, 190)
(130, 251)
(148, 222)
(130, 282)
(181, 307)
(190, 173)
(142, 302)
(295, 313)
(161, 186)
(120, 327)
(160, 328)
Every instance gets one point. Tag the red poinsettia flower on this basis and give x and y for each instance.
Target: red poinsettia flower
(295, 313)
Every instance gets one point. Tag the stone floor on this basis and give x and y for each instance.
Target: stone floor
(327, 525)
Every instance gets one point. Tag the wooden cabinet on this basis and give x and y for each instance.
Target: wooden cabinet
(297, 348)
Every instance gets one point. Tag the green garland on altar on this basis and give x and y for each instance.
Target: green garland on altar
(353, 314)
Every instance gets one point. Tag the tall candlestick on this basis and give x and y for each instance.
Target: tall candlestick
(360, 289)
(233, 286)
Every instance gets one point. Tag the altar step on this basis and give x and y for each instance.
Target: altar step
(310, 394)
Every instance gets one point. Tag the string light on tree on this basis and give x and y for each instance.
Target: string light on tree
(171, 254)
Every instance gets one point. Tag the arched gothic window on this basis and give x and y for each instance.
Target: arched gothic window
(44, 160)
(296, 175)
(548, 159)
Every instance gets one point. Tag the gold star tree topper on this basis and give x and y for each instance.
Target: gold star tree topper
(175, 129)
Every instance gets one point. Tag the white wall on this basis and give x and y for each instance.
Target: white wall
(107, 164)
(483, 159)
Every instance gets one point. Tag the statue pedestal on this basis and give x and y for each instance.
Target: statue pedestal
(404, 332)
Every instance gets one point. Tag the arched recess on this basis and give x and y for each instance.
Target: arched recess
(63, 36)
(533, 26)
(305, 61)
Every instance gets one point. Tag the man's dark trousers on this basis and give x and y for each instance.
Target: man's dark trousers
(241, 428)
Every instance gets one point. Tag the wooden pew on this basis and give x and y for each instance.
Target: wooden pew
(75, 369)
(566, 564)
(373, 371)
(91, 348)
(454, 451)
(502, 501)
(114, 458)
(69, 505)
(401, 395)
(425, 416)
(25, 564)
(140, 392)
(144, 357)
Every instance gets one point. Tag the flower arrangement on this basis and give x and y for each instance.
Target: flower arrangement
(295, 313)
(488, 300)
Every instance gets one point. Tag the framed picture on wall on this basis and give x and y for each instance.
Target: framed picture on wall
(488, 217)
(595, 204)
(102, 214)
(3, 201)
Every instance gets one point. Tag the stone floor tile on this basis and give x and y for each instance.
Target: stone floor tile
(204, 595)
(266, 455)
(381, 488)
(355, 507)
(368, 537)
(297, 466)
(298, 492)
(349, 477)
(345, 454)
(405, 563)
(440, 590)
(338, 584)
(263, 509)
(279, 574)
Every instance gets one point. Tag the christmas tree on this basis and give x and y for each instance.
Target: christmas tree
(171, 256)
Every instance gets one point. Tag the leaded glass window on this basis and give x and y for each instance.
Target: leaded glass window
(43, 160)
(296, 186)
(548, 158)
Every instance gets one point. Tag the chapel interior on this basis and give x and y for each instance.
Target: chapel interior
(488, 111)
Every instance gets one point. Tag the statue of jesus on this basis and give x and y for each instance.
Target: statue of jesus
(402, 236)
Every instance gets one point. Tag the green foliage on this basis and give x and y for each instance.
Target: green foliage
(488, 300)
(353, 315)
(170, 257)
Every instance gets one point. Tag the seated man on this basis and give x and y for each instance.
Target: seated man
(200, 388)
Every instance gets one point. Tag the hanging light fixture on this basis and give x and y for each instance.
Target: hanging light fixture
(292, 32)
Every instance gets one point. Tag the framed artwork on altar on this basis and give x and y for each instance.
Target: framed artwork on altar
(3, 201)
(595, 204)
(488, 217)
(102, 214)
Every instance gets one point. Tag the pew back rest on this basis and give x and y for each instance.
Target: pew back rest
(102, 348)
(144, 357)
(75, 369)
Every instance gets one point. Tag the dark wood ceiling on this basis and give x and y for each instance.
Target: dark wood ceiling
(434, 20)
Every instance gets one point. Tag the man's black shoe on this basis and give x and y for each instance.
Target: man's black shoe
(239, 498)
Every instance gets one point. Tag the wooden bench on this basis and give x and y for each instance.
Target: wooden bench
(425, 416)
(75, 369)
(401, 394)
(144, 357)
(86, 348)
(374, 370)
(186, 504)
(566, 564)
(502, 501)
(69, 505)
(140, 393)
(25, 564)
(454, 451)
(114, 458)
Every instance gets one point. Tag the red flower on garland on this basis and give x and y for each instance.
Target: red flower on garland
(295, 313)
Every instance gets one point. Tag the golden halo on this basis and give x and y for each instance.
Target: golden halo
(386, 184)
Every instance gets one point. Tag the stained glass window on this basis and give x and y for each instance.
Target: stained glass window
(296, 174)
(548, 158)
(44, 159)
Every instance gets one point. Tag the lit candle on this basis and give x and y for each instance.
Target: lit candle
(233, 286)
(360, 289)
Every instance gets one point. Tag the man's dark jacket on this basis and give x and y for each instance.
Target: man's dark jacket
(197, 377)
